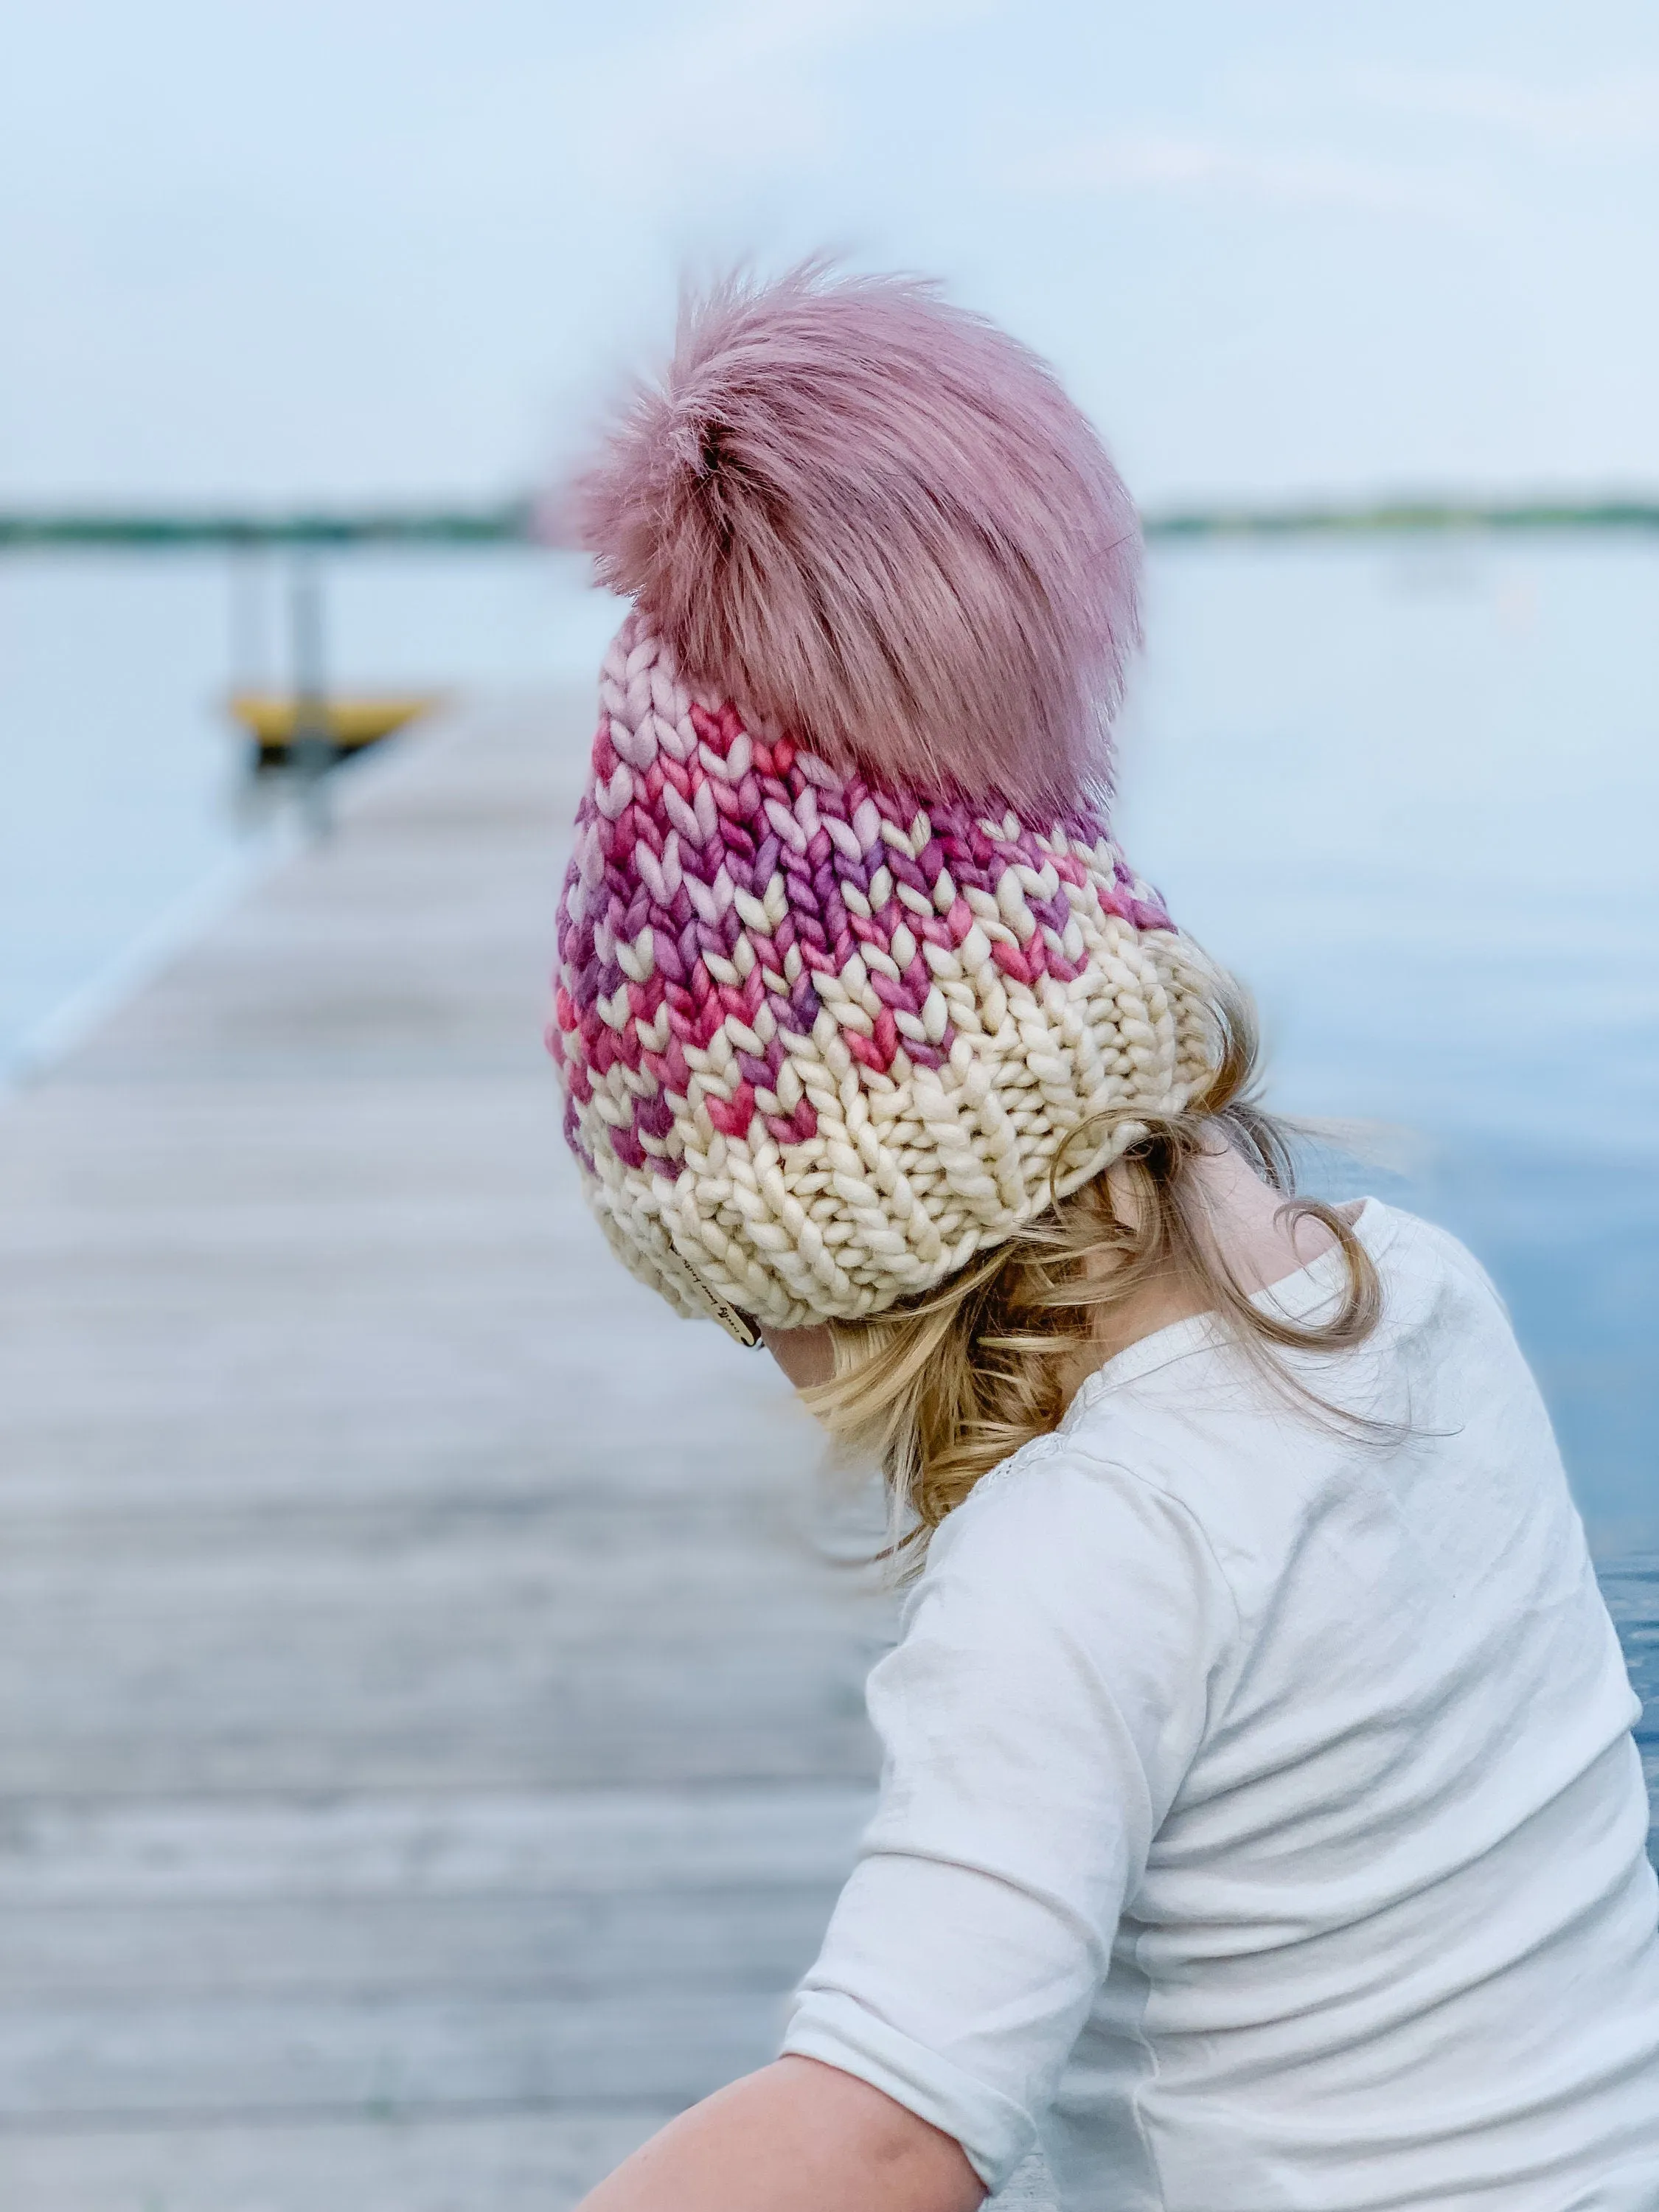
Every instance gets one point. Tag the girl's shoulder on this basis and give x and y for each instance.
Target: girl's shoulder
(1065, 1519)
(1060, 1542)
(1181, 1441)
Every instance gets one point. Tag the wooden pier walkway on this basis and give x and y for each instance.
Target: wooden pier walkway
(431, 1727)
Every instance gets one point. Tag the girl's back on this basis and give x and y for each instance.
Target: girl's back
(1261, 1824)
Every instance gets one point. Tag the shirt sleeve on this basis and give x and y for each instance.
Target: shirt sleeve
(1049, 1694)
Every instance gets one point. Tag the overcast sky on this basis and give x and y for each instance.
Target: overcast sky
(343, 248)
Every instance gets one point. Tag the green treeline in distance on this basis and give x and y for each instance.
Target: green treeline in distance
(516, 522)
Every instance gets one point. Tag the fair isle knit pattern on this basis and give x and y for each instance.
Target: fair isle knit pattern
(821, 1042)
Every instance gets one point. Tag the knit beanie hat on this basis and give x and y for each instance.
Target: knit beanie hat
(847, 953)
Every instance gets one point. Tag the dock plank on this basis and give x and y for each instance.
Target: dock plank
(431, 1730)
(492, 2160)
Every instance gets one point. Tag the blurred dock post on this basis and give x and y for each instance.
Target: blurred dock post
(313, 750)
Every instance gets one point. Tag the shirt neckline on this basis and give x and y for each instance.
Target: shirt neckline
(1294, 1298)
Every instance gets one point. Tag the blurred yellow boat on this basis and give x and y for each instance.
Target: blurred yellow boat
(269, 718)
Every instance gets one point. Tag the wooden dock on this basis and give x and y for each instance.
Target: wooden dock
(431, 1726)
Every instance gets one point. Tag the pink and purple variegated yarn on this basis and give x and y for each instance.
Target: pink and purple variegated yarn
(822, 1039)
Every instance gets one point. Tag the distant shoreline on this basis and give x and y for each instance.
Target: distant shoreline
(523, 522)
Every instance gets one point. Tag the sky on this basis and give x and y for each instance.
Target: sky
(347, 249)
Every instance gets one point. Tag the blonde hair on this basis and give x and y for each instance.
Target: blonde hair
(942, 1388)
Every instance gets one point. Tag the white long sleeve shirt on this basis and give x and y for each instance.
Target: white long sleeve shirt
(1261, 1824)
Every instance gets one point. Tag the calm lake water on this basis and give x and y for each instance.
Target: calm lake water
(1410, 792)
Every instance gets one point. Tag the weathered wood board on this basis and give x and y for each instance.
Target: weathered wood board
(431, 1727)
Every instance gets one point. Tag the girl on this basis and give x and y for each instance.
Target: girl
(1261, 1824)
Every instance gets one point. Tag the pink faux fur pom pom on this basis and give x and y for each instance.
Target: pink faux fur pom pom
(875, 522)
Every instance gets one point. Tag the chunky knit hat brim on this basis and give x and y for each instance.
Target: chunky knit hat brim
(822, 1041)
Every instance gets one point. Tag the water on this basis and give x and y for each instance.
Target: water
(123, 799)
(1413, 797)
(1410, 792)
